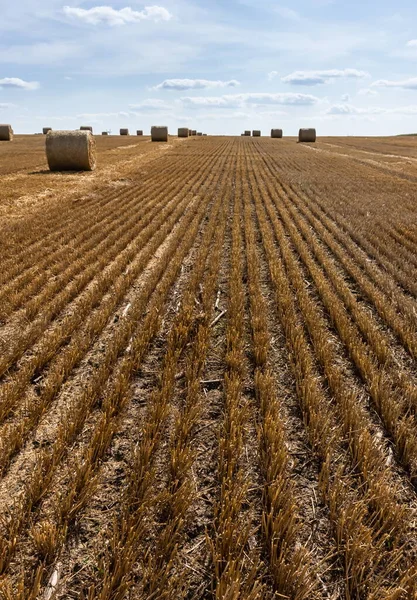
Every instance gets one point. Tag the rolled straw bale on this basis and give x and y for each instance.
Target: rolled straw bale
(276, 133)
(86, 128)
(199, 133)
(139, 132)
(104, 133)
(6, 133)
(256, 133)
(71, 151)
(183, 132)
(159, 133)
(204, 134)
(247, 133)
(124, 132)
(307, 135)
(46, 129)
(194, 132)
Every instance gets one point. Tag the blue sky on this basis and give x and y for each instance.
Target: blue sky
(220, 66)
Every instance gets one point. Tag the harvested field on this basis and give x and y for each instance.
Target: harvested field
(208, 371)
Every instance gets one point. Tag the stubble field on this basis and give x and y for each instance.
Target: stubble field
(208, 371)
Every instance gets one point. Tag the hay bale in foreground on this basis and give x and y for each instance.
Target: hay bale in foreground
(139, 132)
(86, 128)
(247, 133)
(276, 133)
(183, 132)
(256, 133)
(159, 133)
(124, 131)
(71, 151)
(307, 135)
(46, 130)
(6, 133)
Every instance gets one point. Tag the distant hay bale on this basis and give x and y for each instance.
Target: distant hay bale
(194, 132)
(86, 128)
(247, 133)
(204, 134)
(159, 133)
(199, 133)
(71, 151)
(45, 130)
(183, 132)
(276, 133)
(6, 133)
(307, 135)
(104, 133)
(139, 132)
(256, 133)
(124, 131)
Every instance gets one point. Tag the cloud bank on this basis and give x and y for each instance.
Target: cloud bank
(110, 16)
(322, 77)
(194, 84)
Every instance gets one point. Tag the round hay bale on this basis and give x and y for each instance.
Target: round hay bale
(276, 133)
(247, 133)
(6, 133)
(45, 130)
(183, 132)
(159, 133)
(104, 133)
(199, 133)
(307, 135)
(71, 151)
(86, 128)
(194, 132)
(256, 133)
(139, 132)
(124, 131)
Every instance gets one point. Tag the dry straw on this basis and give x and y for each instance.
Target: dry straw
(6, 133)
(307, 135)
(256, 133)
(71, 151)
(46, 130)
(183, 132)
(276, 133)
(124, 131)
(159, 133)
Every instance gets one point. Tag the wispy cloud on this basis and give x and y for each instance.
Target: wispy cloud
(321, 77)
(194, 84)
(113, 17)
(412, 44)
(15, 82)
(287, 13)
(151, 104)
(5, 105)
(406, 84)
(272, 75)
(367, 92)
(251, 99)
(104, 115)
(349, 109)
(345, 98)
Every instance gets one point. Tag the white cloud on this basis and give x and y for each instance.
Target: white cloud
(251, 99)
(345, 98)
(111, 16)
(349, 109)
(412, 44)
(5, 106)
(272, 75)
(287, 13)
(367, 92)
(194, 84)
(15, 82)
(321, 77)
(406, 84)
